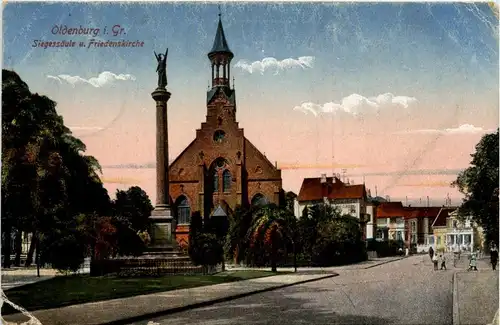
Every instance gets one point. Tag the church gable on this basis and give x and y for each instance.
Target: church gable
(185, 166)
(257, 165)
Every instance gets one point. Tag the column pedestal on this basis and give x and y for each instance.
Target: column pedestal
(162, 227)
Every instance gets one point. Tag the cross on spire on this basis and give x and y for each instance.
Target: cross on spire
(219, 10)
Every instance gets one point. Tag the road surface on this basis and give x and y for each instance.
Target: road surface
(408, 291)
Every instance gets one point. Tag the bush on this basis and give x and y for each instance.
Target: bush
(64, 250)
(205, 249)
(339, 242)
(386, 248)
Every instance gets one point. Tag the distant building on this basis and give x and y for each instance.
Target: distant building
(439, 228)
(348, 199)
(418, 226)
(464, 234)
(391, 221)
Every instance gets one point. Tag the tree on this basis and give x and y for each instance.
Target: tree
(269, 234)
(309, 224)
(43, 167)
(479, 184)
(236, 243)
(204, 248)
(339, 241)
(135, 206)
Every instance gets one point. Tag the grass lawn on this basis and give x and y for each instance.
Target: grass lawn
(76, 289)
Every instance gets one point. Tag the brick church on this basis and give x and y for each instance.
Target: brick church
(220, 168)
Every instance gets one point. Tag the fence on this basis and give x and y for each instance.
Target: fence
(150, 267)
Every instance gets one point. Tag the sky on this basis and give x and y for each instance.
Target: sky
(395, 95)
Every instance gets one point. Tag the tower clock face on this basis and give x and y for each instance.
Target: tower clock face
(219, 136)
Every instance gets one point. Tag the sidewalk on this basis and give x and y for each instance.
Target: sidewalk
(19, 276)
(358, 266)
(132, 309)
(475, 295)
(12, 278)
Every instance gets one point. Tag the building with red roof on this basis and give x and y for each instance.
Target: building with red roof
(350, 199)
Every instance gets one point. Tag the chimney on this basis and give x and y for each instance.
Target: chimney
(276, 164)
(323, 178)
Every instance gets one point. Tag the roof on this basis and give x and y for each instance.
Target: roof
(313, 190)
(423, 212)
(391, 210)
(219, 212)
(220, 42)
(443, 214)
(229, 93)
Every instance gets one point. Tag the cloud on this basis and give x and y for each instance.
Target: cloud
(119, 180)
(356, 104)
(427, 184)
(132, 166)
(85, 128)
(284, 166)
(104, 78)
(416, 172)
(462, 129)
(304, 62)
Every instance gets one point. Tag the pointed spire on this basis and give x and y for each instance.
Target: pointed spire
(220, 42)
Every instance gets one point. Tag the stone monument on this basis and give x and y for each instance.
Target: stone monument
(161, 217)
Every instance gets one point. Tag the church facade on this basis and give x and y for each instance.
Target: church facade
(220, 169)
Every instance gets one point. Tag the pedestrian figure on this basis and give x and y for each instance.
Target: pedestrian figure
(431, 253)
(435, 261)
(442, 259)
(473, 262)
(494, 256)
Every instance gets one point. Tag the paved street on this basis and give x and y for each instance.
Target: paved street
(408, 291)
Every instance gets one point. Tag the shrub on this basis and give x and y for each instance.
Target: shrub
(205, 249)
(65, 250)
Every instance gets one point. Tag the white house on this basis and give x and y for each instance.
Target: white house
(348, 198)
(465, 234)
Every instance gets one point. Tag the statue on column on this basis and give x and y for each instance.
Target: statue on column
(162, 69)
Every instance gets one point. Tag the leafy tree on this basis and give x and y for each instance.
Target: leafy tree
(479, 183)
(64, 248)
(46, 180)
(270, 234)
(309, 224)
(339, 241)
(290, 200)
(135, 206)
(236, 244)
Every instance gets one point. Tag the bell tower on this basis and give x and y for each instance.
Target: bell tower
(220, 58)
(221, 99)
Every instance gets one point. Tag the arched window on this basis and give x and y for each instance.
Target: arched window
(259, 200)
(226, 181)
(183, 211)
(216, 181)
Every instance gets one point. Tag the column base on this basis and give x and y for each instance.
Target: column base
(162, 227)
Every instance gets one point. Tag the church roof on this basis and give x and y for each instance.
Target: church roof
(219, 212)
(220, 42)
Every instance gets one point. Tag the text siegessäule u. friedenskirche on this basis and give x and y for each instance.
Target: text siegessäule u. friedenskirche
(75, 33)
